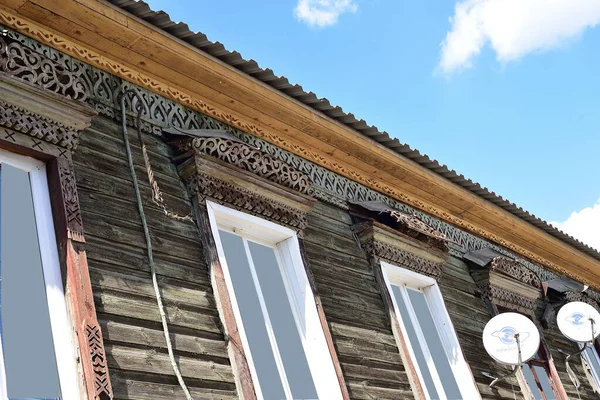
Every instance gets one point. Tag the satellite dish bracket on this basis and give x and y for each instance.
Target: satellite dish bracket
(570, 371)
(515, 368)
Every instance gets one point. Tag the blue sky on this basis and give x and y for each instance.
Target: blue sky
(505, 92)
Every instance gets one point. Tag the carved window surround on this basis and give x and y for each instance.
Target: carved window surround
(245, 178)
(40, 118)
(237, 175)
(381, 242)
(504, 282)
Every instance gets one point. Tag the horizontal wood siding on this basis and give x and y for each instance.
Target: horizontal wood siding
(354, 308)
(351, 298)
(127, 310)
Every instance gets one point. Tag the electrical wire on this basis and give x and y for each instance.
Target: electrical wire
(138, 196)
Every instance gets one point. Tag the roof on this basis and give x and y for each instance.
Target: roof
(180, 30)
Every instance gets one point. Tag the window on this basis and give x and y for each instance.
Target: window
(274, 307)
(590, 354)
(537, 376)
(429, 335)
(37, 358)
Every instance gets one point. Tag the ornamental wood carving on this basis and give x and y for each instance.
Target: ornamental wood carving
(515, 270)
(505, 298)
(253, 160)
(103, 390)
(382, 243)
(246, 179)
(41, 116)
(30, 66)
(244, 199)
(166, 106)
(579, 296)
(37, 126)
(403, 258)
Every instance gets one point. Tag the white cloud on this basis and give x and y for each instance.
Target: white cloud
(513, 28)
(584, 225)
(321, 13)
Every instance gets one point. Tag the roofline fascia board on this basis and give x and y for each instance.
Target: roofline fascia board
(536, 244)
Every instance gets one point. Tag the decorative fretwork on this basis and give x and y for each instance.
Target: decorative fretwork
(208, 186)
(37, 126)
(507, 299)
(28, 65)
(102, 385)
(329, 186)
(403, 258)
(515, 270)
(70, 199)
(253, 160)
(583, 297)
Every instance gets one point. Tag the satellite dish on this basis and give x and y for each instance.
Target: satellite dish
(576, 321)
(500, 338)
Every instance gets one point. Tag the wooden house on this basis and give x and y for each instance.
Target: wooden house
(177, 222)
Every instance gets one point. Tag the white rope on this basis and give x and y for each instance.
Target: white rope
(151, 265)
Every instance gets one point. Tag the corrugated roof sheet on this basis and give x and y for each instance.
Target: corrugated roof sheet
(180, 30)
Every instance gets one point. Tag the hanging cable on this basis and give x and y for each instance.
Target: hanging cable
(136, 188)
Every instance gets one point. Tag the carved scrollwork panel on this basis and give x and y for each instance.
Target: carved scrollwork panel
(578, 296)
(253, 160)
(515, 270)
(403, 258)
(28, 65)
(243, 199)
(37, 126)
(508, 299)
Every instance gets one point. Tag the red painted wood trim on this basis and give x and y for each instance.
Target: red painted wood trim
(237, 356)
(415, 382)
(76, 279)
(324, 324)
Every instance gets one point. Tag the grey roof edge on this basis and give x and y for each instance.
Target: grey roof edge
(181, 31)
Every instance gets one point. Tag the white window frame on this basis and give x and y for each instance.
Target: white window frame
(586, 356)
(62, 335)
(287, 249)
(402, 277)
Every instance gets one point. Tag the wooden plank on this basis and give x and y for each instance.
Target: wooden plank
(140, 360)
(125, 256)
(121, 333)
(105, 278)
(112, 229)
(112, 304)
(125, 387)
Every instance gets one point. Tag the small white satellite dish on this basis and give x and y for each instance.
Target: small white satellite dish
(500, 338)
(576, 321)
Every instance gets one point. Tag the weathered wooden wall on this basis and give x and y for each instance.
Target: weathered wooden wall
(352, 302)
(123, 292)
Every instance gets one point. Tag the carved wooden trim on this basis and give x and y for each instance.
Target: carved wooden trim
(235, 349)
(246, 179)
(411, 371)
(252, 160)
(515, 270)
(583, 297)
(68, 185)
(178, 95)
(505, 298)
(93, 336)
(28, 65)
(36, 126)
(243, 199)
(382, 243)
(40, 123)
(403, 258)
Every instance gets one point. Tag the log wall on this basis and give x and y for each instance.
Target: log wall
(351, 298)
